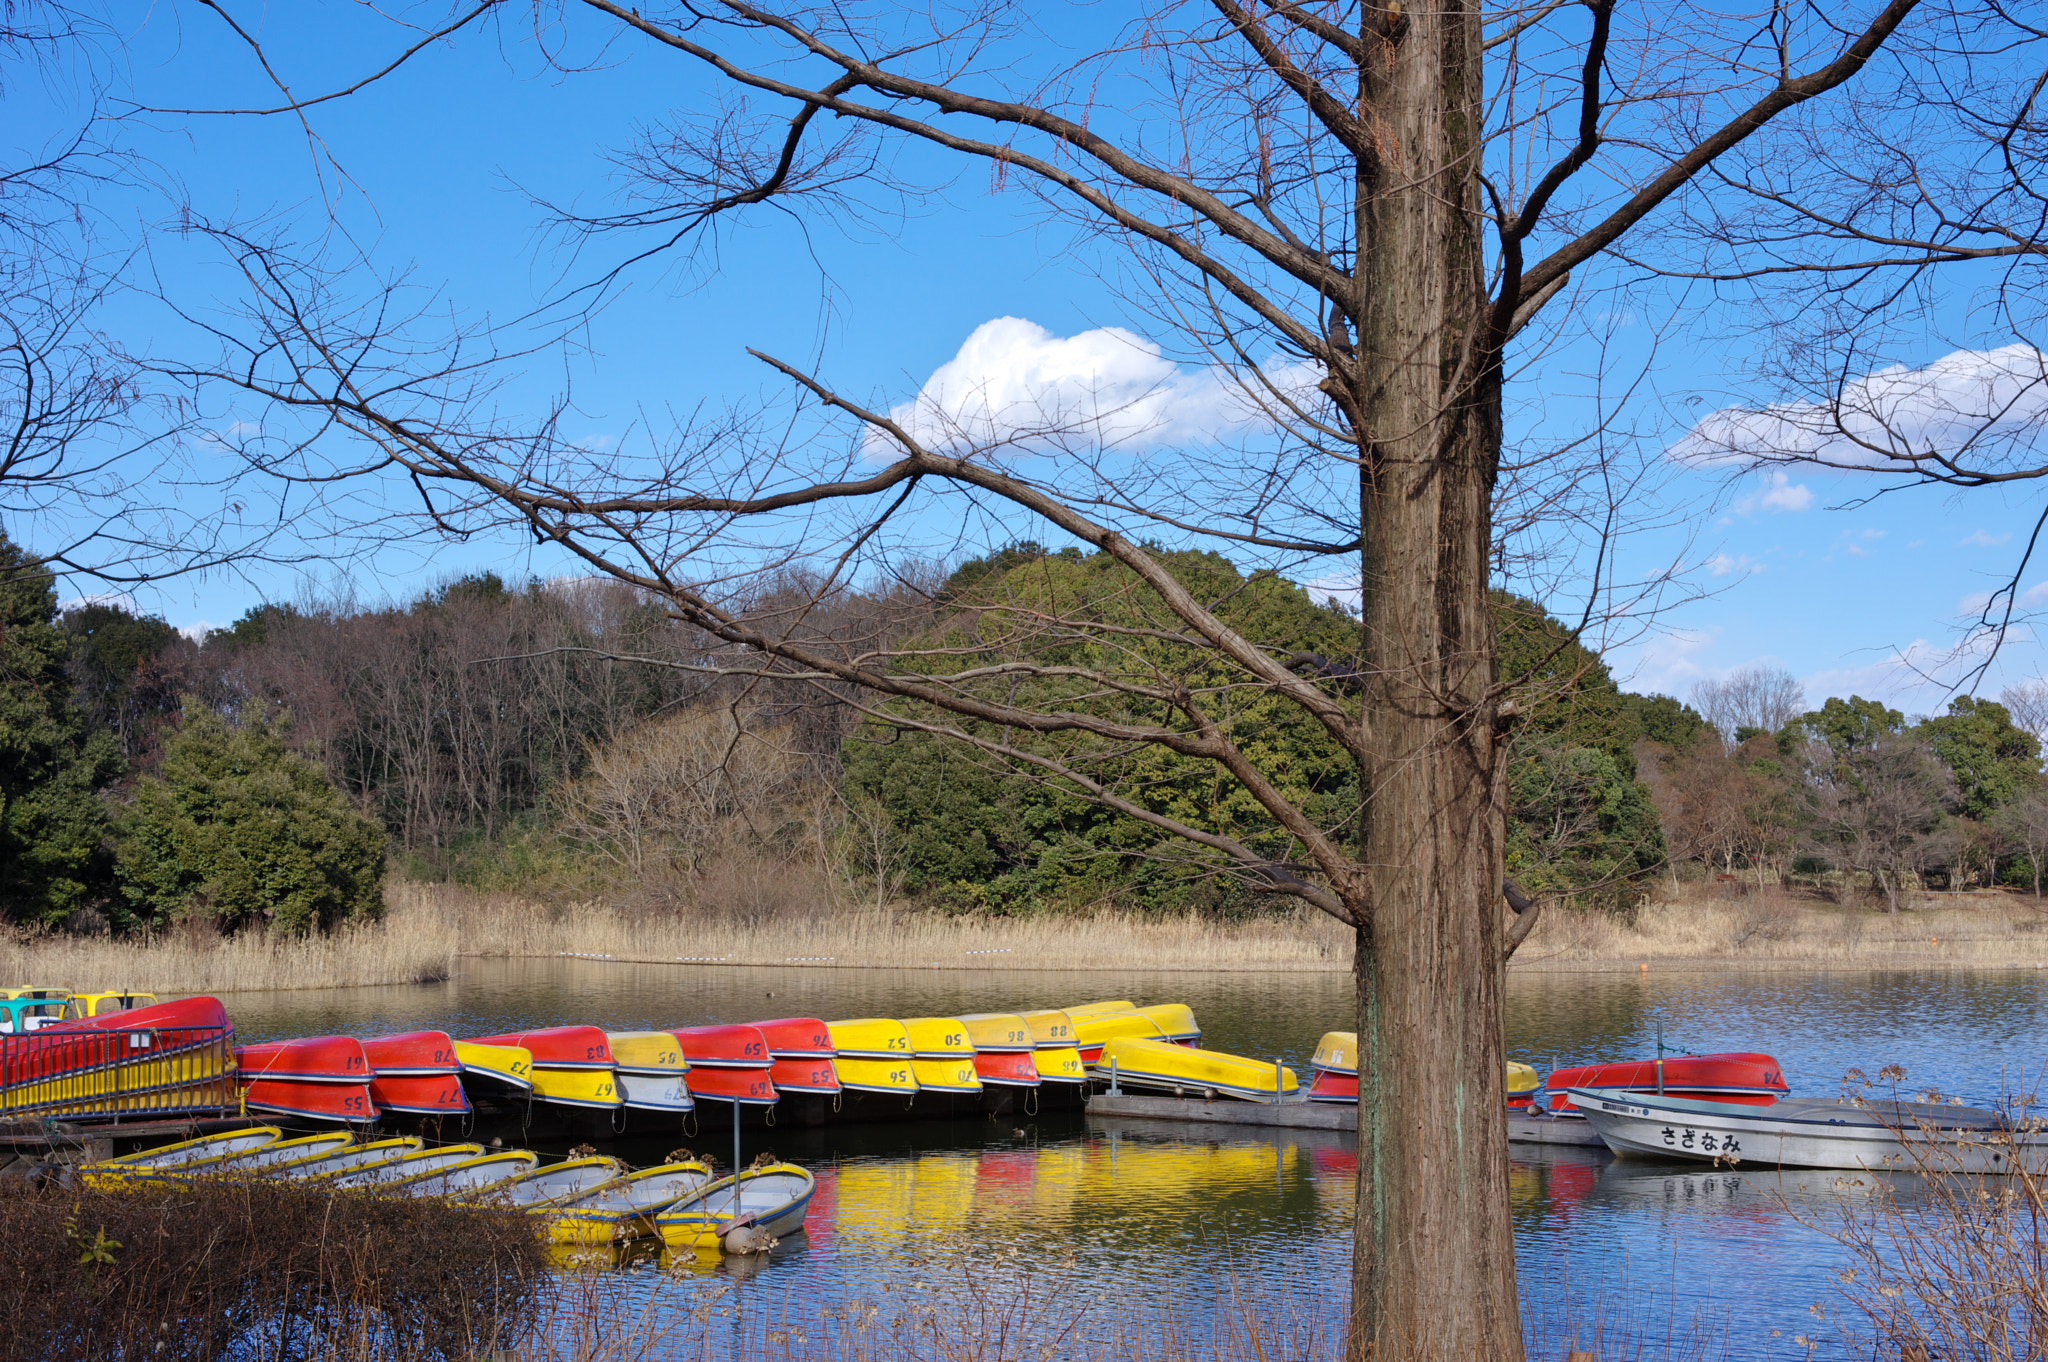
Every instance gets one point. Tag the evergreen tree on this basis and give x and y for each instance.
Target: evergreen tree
(53, 822)
(242, 830)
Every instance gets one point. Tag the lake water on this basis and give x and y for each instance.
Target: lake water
(1086, 1232)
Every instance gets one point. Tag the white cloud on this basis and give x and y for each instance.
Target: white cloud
(1985, 538)
(1779, 493)
(2037, 594)
(1014, 382)
(1986, 400)
(1664, 663)
(1918, 677)
(1723, 565)
(1342, 589)
(197, 630)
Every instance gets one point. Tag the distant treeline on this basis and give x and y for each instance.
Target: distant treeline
(575, 733)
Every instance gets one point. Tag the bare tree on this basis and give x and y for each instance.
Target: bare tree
(1758, 699)
(2027, 702)
(1348, 213)
(1880, 811)
(2024, 824)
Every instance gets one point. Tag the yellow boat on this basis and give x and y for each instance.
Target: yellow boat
(366, 1155)
(1337, 1052)
(998, 1032)
(409, 1165)
(938, 1038)
(944, 1075)
(1062, 1064)
(495, 1068)
(1097, 1009)
(869, 1038)
(544, 1186)
(877, 1075)
(651, 1070)
(1522, 1080)
(772, 1198)
(622, 1208)
(271, 1157)
(577, 1087)
(1051, 1029)
(1161, 1021)
(467, 1177)
(1184, 1070)
(80, 1006)
(177, 1160)
(55, 995)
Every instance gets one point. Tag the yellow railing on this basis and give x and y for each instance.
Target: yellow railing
(132, 1071)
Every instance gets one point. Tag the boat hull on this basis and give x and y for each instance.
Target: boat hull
(470, 1177)
(748, 1087)
(654, 1053)
(323, 1166)
(1051, 1029)
(938, 1038)
(775, 1198)
(412, 1054)
(647, 1092)
(1164, 1021)
(818, 1077)
(797, 1038)
(1060, 1064)
(406, 1167)
(623, 1208)
(174, 1160)
(1811, 1133)
(1181, 1069)
(495, 1070)
(877, 1075)
(1748, 1078)
(946, 1075)
(588, 1089)
(723, 1047)
(1341, 1087)
(870, 1038)
(998, 1033)
(560, 1047)
(317, 1101)
(315, 1059)
(420, 1094)
(1007, 1070)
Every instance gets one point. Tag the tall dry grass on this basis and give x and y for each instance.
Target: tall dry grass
(1740, 925)
(407, 948)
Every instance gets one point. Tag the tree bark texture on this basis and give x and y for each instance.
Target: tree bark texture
(1434, 1266)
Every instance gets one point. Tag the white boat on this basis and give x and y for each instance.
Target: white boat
(542, 1186)
(406, 1167)
(466, 1177)
(774, 1198)
(1814, 1133)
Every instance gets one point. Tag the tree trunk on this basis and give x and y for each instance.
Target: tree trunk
(1434, 1269)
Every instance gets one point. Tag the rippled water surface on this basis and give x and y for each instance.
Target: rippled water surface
(1116, 1220)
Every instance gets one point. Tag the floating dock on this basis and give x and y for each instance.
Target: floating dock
(1306, 1115)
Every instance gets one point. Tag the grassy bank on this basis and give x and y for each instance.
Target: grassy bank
(428, 926)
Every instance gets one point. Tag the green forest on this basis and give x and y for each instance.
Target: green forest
(269, 775)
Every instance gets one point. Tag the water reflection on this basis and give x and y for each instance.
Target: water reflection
(1188, 1218)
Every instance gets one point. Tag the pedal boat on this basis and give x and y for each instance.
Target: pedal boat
(869, 1038)
(797, 1038)
(723, 1047)
(818, 1077)
(418, 1163)
(83, 1005)
(1183, 1070)
(622, 1208)
(1051, 1029)
(572, 1065)
(1098, 1009)
(938, 1038)
(369, 1154)
(184, 1157)
(468, 1177)
(1162, 1021)
(495, 1071)
(774, 1198)
(1001, 1069)
(418, 1073)
(1060, 1064)
(650, 1069)
(1336, 1052)
(1748, 1079)
(998, 1033)
(946, 1075)
(542, 1186)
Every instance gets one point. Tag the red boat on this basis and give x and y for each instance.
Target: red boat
(178, 1013)
(560, 1047)
(725, 1047)
(1749, 1079)
(1009, 1069)
(748, 1087)
(315, 1059)
(113, 1062)
(323, 1100)
(795, 1075)
(1331, 1086)
(796, 1038)
(420, 1094)
(414, 1052)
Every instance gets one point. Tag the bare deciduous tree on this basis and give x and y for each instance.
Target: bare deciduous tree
(1349, 213)
(1759, 698)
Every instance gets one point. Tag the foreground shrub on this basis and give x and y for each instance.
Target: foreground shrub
(211, 1270)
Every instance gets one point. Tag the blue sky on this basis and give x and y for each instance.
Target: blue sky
(441, 157)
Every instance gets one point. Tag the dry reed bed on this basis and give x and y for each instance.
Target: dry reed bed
(1776, 929)
(405, 949)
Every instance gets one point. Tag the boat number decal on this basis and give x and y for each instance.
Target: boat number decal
(355, 1062)
(442, 1056)
(899, 1042)
(759, 1088)
(1702, 1140)
(593, 1052)
(520, 1067)
(752, 1049)
(899, 1076)
(604, 1090)
(355, 1102)
(1773, 1079)
(1016, 1036)
(955, 1038)
(667, 1057)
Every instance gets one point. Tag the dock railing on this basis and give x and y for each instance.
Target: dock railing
(118, 1072)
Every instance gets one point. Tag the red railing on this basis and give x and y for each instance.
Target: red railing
(118, 1072)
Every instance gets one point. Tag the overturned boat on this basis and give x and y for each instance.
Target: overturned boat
(1185, 1071)
(774, 1198)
